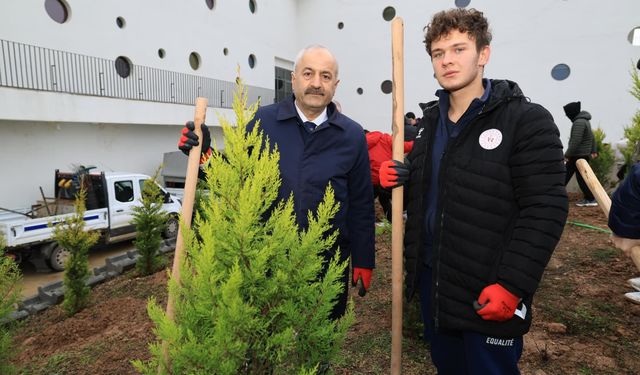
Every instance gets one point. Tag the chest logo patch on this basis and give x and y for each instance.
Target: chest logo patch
(490, 139)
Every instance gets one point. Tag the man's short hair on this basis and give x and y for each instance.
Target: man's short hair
(470, 21)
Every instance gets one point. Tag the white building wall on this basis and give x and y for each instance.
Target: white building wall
(529, 39)
(42, 131)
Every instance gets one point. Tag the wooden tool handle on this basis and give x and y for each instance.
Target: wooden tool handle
(397, 53)
(186, 213)
(603, 199)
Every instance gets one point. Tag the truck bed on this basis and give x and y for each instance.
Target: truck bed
(19, 230)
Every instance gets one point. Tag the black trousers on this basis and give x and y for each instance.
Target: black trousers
(384, 197)
(571, 169)
(341, 305)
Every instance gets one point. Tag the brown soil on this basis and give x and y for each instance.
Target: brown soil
(582, 290)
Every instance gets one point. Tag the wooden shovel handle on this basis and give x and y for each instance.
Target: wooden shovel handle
(186, 213)
(397, 54)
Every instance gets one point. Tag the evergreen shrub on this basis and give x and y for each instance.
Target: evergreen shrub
(253, 297)
(9, 295)
(150, 221)
(72, 236)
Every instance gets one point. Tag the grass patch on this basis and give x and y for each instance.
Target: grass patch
(605, 255)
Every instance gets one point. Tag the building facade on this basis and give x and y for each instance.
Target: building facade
(110, 83)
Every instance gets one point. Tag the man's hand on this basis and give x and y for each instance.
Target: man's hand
(190, 139)
(394, 173)
(624, 244)
(365, 275)
(496, 303)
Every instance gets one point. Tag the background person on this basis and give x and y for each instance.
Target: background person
(582, 145)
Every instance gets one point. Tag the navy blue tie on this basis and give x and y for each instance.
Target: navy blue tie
(309, 125)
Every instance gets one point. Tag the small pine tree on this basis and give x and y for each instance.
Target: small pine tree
(71, 235)
(150, 221)
(632, 132)
(9, 295)
(603, 164)
(253, 297)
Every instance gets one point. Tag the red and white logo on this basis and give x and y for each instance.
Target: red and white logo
(490, 139)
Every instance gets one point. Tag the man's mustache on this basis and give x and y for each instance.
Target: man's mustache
(314, 91)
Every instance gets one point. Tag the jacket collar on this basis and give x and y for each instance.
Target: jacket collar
(501, 90)
(287, 111)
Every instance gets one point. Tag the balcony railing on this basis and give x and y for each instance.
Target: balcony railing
(30, 67)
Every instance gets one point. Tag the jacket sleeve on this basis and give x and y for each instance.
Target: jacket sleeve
(538, 173)
(624, 217)
(360, 213)
(575, 139)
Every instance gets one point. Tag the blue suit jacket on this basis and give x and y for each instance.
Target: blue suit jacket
(336, 152)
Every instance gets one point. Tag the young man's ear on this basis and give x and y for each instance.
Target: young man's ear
(485, 53)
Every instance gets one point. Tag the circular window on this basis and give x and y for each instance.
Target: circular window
(123, 66)
(121, 22)
(638, 64)
(210, 4)
(194, 60)
(359, 90)
(340, 25)
(560, 72)
(252, 6)
(386, 87)
(634, 36)
(225, 51)
(252, 61)
(462, 3)
(161, 53)
(388, 13)
(58, 10)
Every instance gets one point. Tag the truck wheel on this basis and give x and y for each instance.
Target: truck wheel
(171, 227)
(58, 258)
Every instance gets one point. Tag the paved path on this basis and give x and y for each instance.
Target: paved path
(32, 280)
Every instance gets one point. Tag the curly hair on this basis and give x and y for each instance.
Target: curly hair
(470, 21)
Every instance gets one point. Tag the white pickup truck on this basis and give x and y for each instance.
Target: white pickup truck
(110, 199)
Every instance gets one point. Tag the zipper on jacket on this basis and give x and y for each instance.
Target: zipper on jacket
(442, 192)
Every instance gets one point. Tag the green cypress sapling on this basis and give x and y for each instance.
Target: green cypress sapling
(71, 235)
(150, 221)
(253, 297)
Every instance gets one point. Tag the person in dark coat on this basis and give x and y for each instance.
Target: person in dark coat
(410, 130)
(582, 145)
(486, 203)
(318, 146)
(624, 216)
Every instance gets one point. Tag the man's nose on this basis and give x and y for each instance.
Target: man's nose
(315, 81)
(447, 57)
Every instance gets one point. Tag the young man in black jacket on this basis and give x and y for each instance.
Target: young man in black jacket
(486, 203)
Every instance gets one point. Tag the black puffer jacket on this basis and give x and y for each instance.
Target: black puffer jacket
(502, 206)
(581, 140)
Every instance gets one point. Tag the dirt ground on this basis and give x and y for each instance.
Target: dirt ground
(582, 323)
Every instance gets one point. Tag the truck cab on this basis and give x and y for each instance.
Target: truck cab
(125, 192)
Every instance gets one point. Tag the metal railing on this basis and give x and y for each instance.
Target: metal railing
(30, 67)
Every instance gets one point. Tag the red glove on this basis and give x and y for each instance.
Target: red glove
(365, 273)
(393, 173)
(496, 303)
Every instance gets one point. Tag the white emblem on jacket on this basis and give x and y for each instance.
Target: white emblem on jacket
(490, 139)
